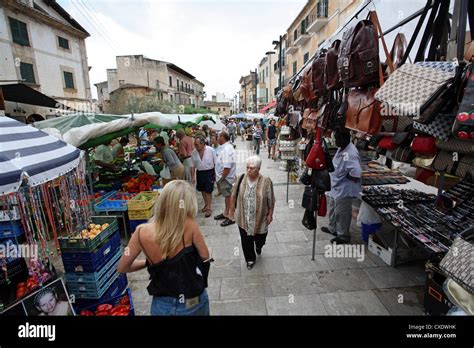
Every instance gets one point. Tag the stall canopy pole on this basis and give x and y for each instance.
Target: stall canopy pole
(314, 234)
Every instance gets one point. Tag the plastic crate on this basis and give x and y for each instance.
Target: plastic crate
(114, 301)
(78, 244)
(9, 229)
(116, 289)
(111, 203)
(133, 224)
(140, 214)
(5, 244)
(79, 277)
(91, 262)
(95, 289)
(138, 204)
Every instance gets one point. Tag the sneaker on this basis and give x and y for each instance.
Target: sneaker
(250, 265)
(259, 251)
(326, 230)
(338, 240)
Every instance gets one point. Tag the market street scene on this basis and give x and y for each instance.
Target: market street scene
(157, 159)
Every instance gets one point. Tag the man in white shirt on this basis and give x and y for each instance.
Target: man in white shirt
(225, 176)
(203, 172)
(103, 157)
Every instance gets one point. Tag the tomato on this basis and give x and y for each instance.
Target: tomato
(20, 292)
(104, 307)
(102, 314)
(86, 313)
(125, 300)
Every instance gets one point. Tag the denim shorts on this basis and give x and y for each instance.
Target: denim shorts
(163, 305)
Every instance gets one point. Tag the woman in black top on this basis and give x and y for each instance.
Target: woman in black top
(175, 251)
(271, 134)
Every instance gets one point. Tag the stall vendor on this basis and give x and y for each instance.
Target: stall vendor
(170, 158)
(103, 157)
(185, 150)
(118, 151)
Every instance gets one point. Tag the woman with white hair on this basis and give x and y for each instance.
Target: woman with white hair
(254, 199)
(176, 254)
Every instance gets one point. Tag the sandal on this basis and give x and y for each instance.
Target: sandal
(203, 210)
(208, 213)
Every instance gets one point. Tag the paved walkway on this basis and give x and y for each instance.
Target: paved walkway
(284, 280)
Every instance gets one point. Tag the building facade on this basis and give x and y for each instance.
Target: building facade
(222, 108)
(248, 93)
(168, 81)
(315, 23)
(42, 46)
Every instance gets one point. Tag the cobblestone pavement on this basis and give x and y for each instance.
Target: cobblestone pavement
(285, 281)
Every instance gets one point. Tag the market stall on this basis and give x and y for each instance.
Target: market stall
(415, 116)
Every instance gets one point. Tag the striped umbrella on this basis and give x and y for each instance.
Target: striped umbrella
(29, 154)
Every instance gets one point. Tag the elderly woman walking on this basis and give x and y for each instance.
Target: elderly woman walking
(254, 200)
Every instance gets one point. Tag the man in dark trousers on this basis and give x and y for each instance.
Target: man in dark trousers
(346, 185)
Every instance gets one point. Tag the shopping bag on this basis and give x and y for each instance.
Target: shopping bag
(165, 173)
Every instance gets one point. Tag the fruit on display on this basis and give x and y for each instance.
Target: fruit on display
(122, 308)
(121, 196)
(92, 231)
(143, 182)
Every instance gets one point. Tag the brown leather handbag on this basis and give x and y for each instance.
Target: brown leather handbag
(333, 81)
(307, 85)
(363, 111)
(318, 68)
(310, 119)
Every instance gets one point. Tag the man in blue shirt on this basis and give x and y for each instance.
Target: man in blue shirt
(346, 185)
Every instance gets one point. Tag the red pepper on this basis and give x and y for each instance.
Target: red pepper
(20, 292)
(104, 307)
(101, 314)
(86, 313)
(125, 300)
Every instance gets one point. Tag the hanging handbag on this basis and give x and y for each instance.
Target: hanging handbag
(424, 145)
(418, 91)
(457, 263)
(395, 124)
(363, 111)
(386, 143)
(464, 166)
(316, 158)
(322, 209)
(309, 220)
(321, 180)
(331, 75)
(317, 68)
(463, 127)
(456, 145)
(305, 178)
(402, 154)
(307, 85)
(310, 119)
(310, 199)
(439, 127)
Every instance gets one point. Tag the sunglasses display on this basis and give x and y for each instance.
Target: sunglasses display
(433, 221)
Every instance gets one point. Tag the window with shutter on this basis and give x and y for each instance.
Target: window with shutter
(19, 32)
(64, 43)
(27, 72)
(68, 80)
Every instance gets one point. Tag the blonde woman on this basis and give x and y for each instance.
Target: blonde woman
(175, 251)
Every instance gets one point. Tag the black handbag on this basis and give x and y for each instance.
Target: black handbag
(310, 199)
(305, 178)
(309, 221)
(321, 180)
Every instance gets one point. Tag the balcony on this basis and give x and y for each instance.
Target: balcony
(303, 37)
(318, 17)
(292, 47)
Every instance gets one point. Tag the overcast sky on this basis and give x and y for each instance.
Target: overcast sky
(217, 41)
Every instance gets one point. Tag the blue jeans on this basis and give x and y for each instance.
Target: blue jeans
(163, 305)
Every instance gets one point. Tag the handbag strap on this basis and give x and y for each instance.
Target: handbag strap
(378, 29)
(440, 31)
(420, 55)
